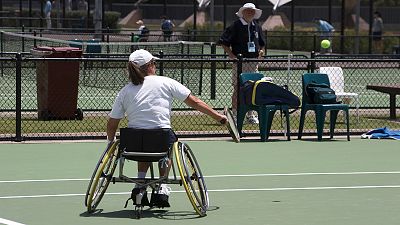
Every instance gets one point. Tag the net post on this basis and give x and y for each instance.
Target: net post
(312, 63)
(1, 41)
(315, 42)
(34, 40)
(23, 39)
(108, 39)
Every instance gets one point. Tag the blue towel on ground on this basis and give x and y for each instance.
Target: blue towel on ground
(382, 133)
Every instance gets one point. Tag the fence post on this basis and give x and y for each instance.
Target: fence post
(239, 71)
(18, 136)
(161, 64)
(1, 52)
(182, 63)
(213, 70)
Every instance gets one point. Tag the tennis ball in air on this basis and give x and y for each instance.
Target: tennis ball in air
(325, 43)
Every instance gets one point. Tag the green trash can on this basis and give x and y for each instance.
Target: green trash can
(57, 83)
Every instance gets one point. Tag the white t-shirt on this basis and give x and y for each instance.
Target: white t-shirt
(148, 106)
(141, 27)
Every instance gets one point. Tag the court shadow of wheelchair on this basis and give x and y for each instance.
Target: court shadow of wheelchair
(147, 213)
(183, 215)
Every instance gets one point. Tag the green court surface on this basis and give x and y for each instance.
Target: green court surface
(305, 182)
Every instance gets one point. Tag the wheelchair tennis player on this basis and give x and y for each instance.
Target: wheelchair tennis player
(147, 103)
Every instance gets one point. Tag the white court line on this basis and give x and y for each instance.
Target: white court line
(304, 174)
(47, 180)
(227, 175)
(9, 222)
(219, 190)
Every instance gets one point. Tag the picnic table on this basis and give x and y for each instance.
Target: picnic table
(392, 90)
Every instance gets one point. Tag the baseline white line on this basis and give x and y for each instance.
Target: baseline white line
(47, 180)
(303, 174)
(220, 190)
(227, 175)
(9, 222)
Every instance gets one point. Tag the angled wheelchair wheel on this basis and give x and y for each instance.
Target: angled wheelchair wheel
(192, 178)
(101, 176)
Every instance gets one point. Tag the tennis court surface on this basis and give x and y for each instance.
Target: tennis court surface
(278, 183)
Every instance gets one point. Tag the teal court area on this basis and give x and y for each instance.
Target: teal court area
(333, 182)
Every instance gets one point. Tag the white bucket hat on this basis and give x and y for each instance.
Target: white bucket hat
(257, 15)
(141, 57)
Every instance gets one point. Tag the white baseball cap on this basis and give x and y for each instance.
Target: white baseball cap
(141, 57)
(257, 15)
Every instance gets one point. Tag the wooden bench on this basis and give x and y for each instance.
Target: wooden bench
(392, 90)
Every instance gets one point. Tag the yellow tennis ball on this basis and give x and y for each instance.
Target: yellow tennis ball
(325, 43)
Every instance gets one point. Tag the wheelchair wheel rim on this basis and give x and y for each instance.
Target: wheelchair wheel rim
(190, 170)
(102, 177)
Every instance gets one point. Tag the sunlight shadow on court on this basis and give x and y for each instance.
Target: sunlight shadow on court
(146, 213)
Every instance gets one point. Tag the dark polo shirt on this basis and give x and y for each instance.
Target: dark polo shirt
(236, 36)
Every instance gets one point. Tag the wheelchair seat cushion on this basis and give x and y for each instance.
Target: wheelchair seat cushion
(146, 145)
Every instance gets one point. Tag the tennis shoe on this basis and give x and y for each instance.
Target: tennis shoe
(160, 199)
(139, 197)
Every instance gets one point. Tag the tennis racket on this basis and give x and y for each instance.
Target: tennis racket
(233, 131)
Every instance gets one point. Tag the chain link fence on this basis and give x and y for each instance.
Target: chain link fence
(23, 103)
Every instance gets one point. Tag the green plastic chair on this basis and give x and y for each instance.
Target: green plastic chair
(320, 109)
(265, 112)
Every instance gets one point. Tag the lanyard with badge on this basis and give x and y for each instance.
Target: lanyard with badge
(251, 46)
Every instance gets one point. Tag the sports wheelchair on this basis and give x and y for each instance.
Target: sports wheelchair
(148, 145)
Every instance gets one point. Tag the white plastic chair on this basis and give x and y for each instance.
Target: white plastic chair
(336, 80)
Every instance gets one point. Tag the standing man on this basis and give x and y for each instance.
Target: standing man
(377, 28)
(47, 13)
(143, 31)
(326, 30)
(167, 27)
(244, 37)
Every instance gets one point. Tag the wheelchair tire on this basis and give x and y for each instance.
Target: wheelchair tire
(192, 178)
(101, 176)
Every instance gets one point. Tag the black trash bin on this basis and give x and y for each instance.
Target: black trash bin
(57, 84)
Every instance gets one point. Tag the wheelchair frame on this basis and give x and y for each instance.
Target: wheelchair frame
(191, 177)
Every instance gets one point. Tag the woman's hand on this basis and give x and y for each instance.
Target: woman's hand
(261, 54)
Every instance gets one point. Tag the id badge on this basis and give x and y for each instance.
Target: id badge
(251, 46)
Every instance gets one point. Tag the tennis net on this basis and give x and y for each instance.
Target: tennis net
(17, 42)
